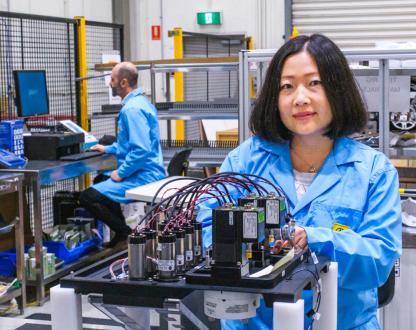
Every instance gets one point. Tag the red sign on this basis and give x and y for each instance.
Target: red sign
(155, 32)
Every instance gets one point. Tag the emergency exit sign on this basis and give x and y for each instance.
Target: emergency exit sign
(209, 18)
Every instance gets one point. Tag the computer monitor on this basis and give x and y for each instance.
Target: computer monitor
(31, 93)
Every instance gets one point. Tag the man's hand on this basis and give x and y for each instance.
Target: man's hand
(301, 239)
(115, 176)
(98, 147)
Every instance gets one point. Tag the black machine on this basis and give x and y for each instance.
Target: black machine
(164, 258)
(246, 237)
(64, 206)
(52, 145)
(32, 101)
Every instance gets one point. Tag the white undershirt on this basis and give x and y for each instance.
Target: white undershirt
(302, 182)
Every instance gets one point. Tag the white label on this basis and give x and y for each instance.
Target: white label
(231, 218)
(197, 249)
(237, 309)
(314, 258)
(180, 259)
(250, 225)
(189, 255)
(166, 265)
(272, 212)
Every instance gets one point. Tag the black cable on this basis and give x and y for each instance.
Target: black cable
(170, 181)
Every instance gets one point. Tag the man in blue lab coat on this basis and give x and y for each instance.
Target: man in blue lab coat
(138, 152)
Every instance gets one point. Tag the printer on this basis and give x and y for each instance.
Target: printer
(52, 145)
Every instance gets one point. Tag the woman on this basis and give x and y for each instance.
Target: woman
(343, 194)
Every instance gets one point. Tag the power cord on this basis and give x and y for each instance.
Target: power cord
(314, 312)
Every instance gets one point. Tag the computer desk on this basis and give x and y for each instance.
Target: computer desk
(146, 192)
(38, 173)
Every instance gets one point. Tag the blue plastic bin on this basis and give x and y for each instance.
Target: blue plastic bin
(8, 262)
(69, 256)
(11, 136)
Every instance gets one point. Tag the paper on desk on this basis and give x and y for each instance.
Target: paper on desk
(270, 269)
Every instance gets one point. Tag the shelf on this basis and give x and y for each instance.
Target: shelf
(15, 293)
(81, 262)
(403, 152)
(200, 156)
(191, 115)
(184, 64)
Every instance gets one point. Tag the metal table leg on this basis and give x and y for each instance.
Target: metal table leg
(19, 237)
(37, 223)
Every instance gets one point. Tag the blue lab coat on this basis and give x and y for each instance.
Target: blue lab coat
(138, 150)
(356, 186)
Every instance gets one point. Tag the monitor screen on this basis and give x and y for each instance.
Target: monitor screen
(31, 93)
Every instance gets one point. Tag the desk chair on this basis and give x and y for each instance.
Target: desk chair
(386, 291)
(179, 163)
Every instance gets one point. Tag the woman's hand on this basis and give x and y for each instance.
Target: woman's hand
(301, 239)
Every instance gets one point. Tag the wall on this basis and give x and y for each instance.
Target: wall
(261, 19)
(62, 8)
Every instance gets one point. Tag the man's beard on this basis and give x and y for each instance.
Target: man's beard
(114, 91)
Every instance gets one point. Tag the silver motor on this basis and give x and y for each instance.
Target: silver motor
(166, 262)
(137, 257)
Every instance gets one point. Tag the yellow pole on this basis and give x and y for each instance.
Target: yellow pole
(252, 89)
(179, 93)
(82, 57)
(83, 92)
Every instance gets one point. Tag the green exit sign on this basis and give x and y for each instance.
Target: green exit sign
(212, 18)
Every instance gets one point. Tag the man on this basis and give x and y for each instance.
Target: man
(138, 152)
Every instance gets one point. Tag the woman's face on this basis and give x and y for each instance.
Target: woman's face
(303, 105)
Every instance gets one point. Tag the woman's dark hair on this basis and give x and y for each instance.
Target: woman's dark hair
(349, 113)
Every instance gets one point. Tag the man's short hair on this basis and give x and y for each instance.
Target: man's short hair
(349, 113)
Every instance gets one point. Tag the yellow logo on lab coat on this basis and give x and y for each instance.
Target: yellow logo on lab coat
(339, 227)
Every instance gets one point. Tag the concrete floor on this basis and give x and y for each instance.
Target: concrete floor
(14, 320)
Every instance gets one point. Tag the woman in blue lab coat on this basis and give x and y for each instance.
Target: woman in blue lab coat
(343, 194)
(138, 152)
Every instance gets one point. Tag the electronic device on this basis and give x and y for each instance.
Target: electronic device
(10, 160)
(232, 226)
(82, 155)
(274, 208)
(89, 139)
(31, 93)
(52, 145)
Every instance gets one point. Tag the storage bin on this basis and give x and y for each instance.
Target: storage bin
(8, 262)
(69, 256)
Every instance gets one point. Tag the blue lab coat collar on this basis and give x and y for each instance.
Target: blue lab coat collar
(133, 93)
(328, 175)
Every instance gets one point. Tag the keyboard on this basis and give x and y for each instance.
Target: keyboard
(81, 155)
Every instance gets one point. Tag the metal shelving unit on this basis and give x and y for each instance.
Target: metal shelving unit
(11, 183)
(206, 156)
(260, 58)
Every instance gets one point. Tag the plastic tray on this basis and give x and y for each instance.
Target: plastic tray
(69, 256)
